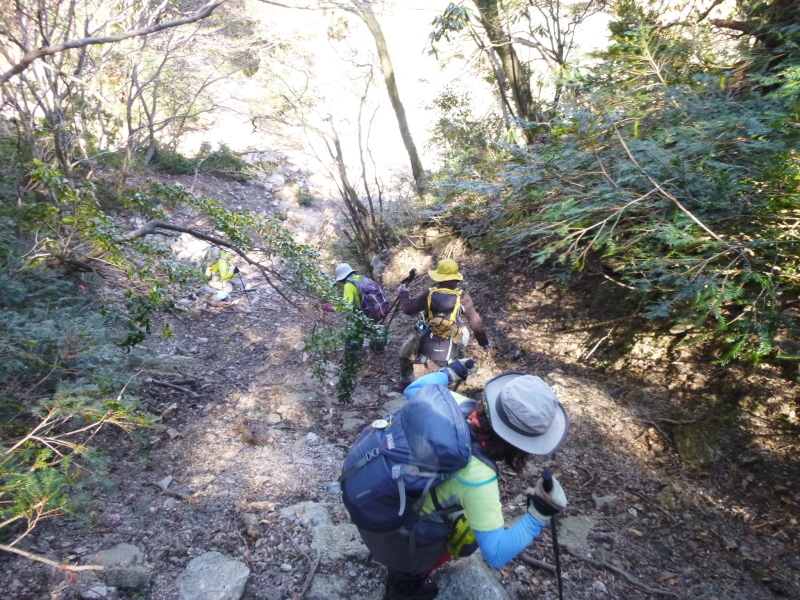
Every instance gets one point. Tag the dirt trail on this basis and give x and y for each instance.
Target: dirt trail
(724, 533)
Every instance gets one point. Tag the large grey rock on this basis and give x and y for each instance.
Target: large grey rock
(392, 406)
(329, 587)
(469, 579)
(213, 576)
(339, 542)
(309, 514)
(124, 567)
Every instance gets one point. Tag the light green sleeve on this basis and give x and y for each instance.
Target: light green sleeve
(351, 295)
(479, 494)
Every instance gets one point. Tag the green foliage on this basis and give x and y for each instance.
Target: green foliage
(221, 162)
(63, 375)
(327, 344)
(672, 183)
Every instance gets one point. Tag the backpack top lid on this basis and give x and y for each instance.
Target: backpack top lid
(391, 468)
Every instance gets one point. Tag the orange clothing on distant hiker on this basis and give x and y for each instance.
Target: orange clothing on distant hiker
(412, 306)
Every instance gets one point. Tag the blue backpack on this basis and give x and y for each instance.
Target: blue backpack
(392, 469)
(373, 302)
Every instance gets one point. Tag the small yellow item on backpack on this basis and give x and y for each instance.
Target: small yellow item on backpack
(462, 540)
(441, 325)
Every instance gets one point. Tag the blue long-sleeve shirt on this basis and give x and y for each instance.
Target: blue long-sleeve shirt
(475, 489)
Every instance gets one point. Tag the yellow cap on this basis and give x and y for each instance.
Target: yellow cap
(446, 270)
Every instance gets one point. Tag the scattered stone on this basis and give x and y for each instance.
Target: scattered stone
(469, 579)
(124, 567)
(666, 498)
(329, 587)
(276, 180)
(598, 587)
(299, 398)
(339, 542)
(312, 439)
(160, 553)
(172, 433)
(350, 424)
(99, 592)
(251, 527)
(392, 406)
(263, 505)
(309, 514)
(699, 443)
(286, 567)
(202, 340)
(213, 576)
(574, 531)
(273, 419)
(383, 391)
(601, 501)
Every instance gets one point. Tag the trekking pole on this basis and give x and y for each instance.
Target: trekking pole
(244, 288)
(411, 275)
(547, 484)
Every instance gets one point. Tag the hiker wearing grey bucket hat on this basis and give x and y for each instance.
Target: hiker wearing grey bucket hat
(518, 416)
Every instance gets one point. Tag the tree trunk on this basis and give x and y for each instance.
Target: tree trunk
(364, 10)
(515, 76)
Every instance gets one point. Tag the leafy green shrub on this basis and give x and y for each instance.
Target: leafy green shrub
(63, 377)
(222, 162)
(173, 163)
(301, 194)
(678, 188)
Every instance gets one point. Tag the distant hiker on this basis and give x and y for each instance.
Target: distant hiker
(442, 335)
(415, 507)
(366, 296)
(218, 269)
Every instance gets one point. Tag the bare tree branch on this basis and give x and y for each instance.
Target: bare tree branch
(203, 12)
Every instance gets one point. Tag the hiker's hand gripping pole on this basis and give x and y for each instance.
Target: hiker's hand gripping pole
(393, 309)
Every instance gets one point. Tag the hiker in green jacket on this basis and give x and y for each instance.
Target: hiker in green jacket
(374, 307)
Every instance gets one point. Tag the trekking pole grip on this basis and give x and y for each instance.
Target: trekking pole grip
(547, 480)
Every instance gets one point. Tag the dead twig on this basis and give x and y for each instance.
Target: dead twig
(654, 503)
(309, 579)
(172, 386)
(589, 473)
(652, 424)
(624, 574)
(52, 563)
(537, 564)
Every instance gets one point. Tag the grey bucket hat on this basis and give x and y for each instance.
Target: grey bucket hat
(525, 412)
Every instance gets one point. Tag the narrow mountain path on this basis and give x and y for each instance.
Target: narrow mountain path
(238, 465)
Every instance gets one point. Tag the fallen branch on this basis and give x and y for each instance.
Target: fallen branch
(652, 424)
(625, 575)
(537, 564)
(52, 563)
(152, 228)
(309, 579)
(172, 386)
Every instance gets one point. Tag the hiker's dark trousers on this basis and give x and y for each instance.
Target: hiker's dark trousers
(395, 550)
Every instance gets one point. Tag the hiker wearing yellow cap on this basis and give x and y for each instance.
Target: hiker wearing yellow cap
(442, 334)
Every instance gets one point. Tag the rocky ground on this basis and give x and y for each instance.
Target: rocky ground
(668, 496)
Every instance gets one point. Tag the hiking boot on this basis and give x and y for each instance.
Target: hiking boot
(401, 385)
(405, 586)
